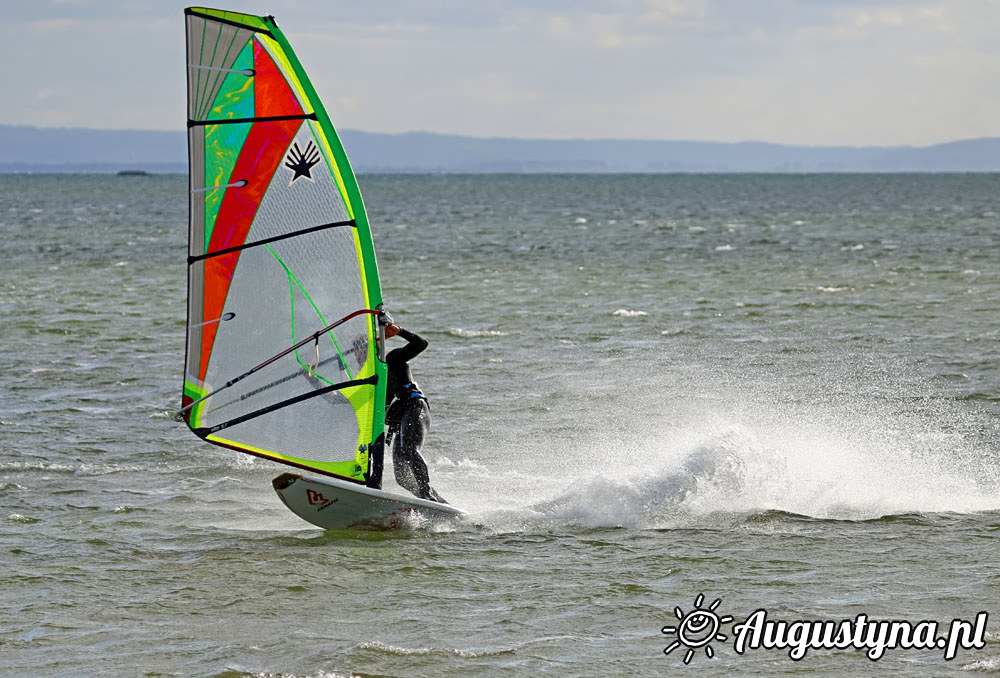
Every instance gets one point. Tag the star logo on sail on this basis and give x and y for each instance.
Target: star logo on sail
(301, 161)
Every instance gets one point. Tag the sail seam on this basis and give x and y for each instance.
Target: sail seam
(370, 381)
(219, 76)
(194, 105)
(209, 80)
(194, 258)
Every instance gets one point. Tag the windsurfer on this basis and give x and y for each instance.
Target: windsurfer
(408, 415)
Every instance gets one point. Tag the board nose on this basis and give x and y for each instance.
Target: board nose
(284, 481)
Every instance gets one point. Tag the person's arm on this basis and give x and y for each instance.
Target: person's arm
(415, 344)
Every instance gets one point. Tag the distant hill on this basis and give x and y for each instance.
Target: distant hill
(34, 149)
(62, 149)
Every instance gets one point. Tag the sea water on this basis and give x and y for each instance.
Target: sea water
(653, 394)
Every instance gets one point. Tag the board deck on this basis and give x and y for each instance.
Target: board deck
(336, 505)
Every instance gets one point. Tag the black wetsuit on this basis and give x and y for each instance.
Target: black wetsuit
(408, 417)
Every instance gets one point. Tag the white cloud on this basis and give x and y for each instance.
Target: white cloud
(794, 71)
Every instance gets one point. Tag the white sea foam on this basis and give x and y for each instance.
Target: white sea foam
(473, 334)
(989, 665)
(397, 650)
(736, 450)
(77, 469)
(629, 313)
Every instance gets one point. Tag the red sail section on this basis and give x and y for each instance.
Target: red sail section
(271, 94)
(262, 152)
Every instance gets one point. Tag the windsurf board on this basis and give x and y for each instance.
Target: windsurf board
(336, 505)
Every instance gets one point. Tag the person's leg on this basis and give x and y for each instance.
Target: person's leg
(375, 455)
(406, 454)
(410, 468)
(401, 465)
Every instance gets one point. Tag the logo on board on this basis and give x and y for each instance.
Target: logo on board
(315, 498)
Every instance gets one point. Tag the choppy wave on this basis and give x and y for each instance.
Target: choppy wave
(384, 648)
(473, 334)
(77, 469)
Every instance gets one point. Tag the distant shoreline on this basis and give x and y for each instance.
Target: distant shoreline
(25, 149)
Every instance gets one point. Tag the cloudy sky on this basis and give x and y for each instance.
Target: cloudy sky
(816, 72)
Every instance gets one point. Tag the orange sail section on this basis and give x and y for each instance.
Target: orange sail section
(262, 152)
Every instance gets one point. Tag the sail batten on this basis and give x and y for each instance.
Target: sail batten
(263, 118)
(278, 244)
(266, 241)
(203, 432)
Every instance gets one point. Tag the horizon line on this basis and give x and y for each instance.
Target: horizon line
(181, 130)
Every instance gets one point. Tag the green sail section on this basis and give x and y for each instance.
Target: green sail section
(234, 101)
(235, 97)
(222, 147)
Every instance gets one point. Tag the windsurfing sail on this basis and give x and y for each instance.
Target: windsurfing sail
(283, 337)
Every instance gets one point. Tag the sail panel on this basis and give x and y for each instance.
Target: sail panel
(279, 249)
(212, 49)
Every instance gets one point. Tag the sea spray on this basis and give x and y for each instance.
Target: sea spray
(716, 446)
